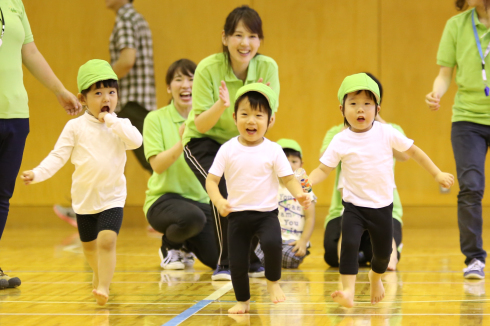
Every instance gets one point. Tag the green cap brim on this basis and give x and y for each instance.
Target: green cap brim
(263, 89)
(358, 82)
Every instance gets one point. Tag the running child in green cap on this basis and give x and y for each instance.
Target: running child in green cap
(365, 149)
(97, 143)
(252, 166)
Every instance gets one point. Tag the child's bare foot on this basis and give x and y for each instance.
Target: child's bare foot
(241, 307)
(392, 264)
(343, 298)
(275, 292)
(100, 296)
(377, 288)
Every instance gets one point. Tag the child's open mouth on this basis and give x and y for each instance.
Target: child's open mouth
(251, 131)
(361, 119)
(105, 109)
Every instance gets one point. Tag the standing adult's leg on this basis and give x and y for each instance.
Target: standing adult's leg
(470, 145)
(137, 114)
(13, 134)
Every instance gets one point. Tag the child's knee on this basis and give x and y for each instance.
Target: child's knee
(271, 246)
(106, 240)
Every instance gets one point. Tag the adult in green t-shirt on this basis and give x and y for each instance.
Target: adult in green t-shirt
(331, 240)
(470, 132)
(176, 205)
(210, 122)
(17, 47)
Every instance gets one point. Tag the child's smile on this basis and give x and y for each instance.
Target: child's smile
(252, 123)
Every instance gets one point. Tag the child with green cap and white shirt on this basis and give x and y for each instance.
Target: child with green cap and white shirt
(252, 165)
(365, 149)
(97, 143)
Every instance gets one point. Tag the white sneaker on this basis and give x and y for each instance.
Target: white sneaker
(173, 259)
(188, 258)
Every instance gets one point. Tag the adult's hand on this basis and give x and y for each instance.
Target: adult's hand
(69, 102)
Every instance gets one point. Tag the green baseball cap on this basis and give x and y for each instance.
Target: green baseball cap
(263, 89)
(93, 71)
(289, 143)
(358, 82)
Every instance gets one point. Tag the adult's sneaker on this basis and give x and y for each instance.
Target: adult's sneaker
(475, 270)
(67, 214)
(221, 273)
(171, 259)
(257, 272)
(7, 281)
(188, 258)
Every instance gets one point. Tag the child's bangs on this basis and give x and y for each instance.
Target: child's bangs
(108, 83)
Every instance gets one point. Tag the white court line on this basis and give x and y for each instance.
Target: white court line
(218, 293)
(273, 314)
(282, 282)
(109, 303)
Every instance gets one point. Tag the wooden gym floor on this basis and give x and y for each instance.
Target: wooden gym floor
(45, 252)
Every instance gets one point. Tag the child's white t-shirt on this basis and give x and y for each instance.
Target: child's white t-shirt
(291, 214)
(98, 151)
(251, 174)
(367, 163)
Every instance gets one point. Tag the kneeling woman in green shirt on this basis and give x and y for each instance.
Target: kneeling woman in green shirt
(176, 204)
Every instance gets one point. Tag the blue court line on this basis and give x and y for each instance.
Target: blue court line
(198, 306)
(187, 313)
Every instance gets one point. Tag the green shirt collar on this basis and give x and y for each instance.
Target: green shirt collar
(477, 21)
(176, 117)
(251, 72)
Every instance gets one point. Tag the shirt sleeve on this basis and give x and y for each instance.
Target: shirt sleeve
(125, 34)
(57, 157)
(123, 128)
(218, 167)
(331, 157)
(329, 136)
(28, 38)
(446, 54)
(272, 77)
(281, 164)
(202, 91)
(399, 141)
(153, 136)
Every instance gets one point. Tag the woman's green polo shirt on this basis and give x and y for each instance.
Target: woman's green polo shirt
(13, 95)
(160, 133)
(336, 206)
(458, 49)
(205, 92)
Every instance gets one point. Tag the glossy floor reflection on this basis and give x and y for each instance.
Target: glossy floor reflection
(428, 288)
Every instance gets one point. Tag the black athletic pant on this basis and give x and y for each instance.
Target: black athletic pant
(332, 236)
(242, 227)
(185, 222)
(379, 223)
(137, 114)
(199, 155)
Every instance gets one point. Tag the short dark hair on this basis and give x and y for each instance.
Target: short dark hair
(462, 5)
(379, 86)
(257, 102)
(292, 152)
(250, 19)
(184, 66)
(102, 83)
(371, 96)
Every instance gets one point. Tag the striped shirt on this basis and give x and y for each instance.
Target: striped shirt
(132, 31)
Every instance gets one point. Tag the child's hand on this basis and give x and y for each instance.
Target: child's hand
(224, 207)
(433, 101)
(445, 179)
(299, 247)
(27, 177)
(224, 96)
(102, 115)
(304, 200)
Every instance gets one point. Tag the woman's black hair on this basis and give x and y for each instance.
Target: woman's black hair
(184, 66)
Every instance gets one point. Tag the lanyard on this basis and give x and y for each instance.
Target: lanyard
(478, 44)
(3, 27)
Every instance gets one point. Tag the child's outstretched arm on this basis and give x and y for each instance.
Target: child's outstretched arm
(124, 129)
(319, 174)
(301, 244)
(294, 187)
(444, 179)
(55, 160)
(221, 203)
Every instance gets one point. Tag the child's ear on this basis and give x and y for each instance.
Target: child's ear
(342, 111)
(272, 120)
(379, 108)
(234, 115)
(81, 99)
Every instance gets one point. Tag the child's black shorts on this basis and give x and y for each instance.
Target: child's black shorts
(89, 225)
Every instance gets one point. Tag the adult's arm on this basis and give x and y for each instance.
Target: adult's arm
(40, 69)
(441, 85)
(125, 63)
